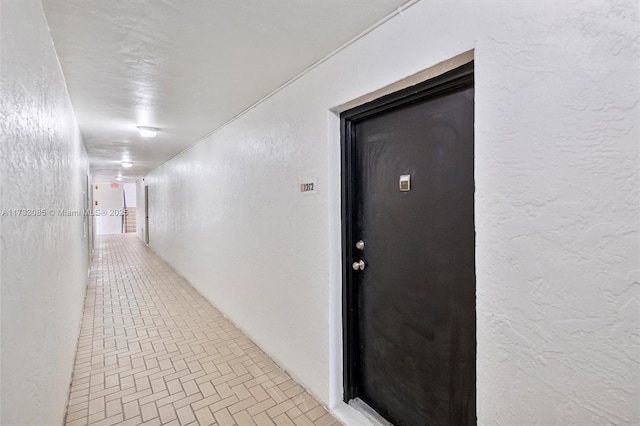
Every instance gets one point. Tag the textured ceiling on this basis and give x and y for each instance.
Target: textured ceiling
(186, 67)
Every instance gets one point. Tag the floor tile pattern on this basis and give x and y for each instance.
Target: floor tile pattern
(153, 351)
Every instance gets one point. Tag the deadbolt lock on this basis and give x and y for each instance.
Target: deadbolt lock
(358, 266)
(360, 245)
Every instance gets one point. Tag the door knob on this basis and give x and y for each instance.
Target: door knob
(358, 265)
(360, 245)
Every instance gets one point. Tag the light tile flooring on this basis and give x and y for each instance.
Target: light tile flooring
(153, 351)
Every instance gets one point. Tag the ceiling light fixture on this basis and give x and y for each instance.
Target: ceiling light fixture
(148, 132)
(127, 164)
(118, 177)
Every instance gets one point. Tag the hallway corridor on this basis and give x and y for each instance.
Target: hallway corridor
(153, 351)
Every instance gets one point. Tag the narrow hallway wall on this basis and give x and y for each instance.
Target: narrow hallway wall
(556, 171)
(44, 253)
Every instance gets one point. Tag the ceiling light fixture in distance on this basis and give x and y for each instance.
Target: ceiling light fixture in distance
(118, 177)
(148, 132)
(127, 164)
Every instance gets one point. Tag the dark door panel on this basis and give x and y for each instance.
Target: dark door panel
(411, 330)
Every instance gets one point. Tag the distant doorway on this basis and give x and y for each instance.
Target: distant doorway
(108, 207)
(130, 206)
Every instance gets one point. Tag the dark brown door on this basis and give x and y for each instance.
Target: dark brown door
(410, 304)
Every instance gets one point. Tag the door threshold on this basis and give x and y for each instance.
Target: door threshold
(371, 414)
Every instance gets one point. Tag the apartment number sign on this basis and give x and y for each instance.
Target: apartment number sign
(308, 186)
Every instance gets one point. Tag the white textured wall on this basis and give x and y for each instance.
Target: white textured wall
(556, 201)
(44, 259)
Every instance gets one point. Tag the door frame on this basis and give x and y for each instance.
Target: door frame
(88, 218)
(146, 214)
(437, 86)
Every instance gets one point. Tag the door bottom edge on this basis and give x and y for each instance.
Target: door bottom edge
(372, 415)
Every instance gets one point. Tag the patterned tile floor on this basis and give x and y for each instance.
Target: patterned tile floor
(153, 351)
